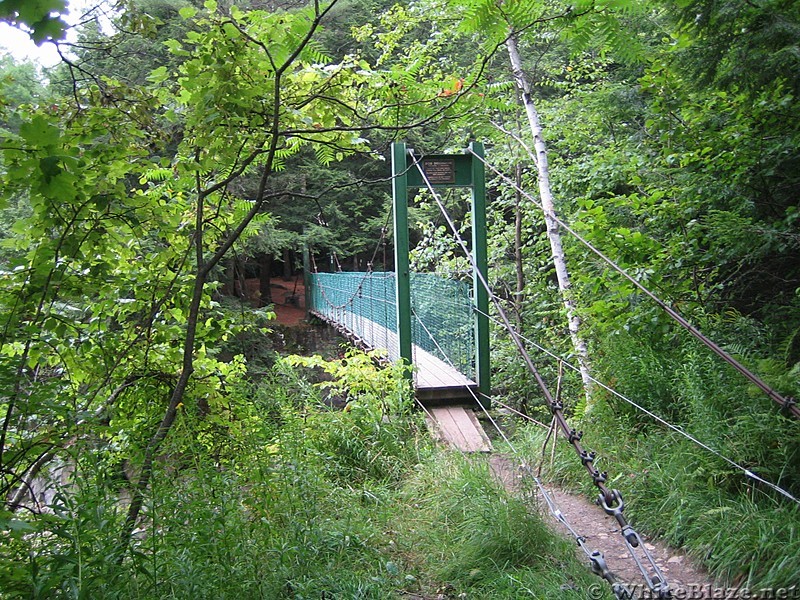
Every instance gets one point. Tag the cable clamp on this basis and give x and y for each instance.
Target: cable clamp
(599, 566)
(622, 592)
(588, 457)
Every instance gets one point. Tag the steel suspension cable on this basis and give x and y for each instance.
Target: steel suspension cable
(520, 413)
(787, 403)
(747, 472)
(610, 499)
(596, 559)
(381, 242)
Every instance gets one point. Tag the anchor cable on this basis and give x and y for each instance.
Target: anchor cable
(787, 403)
(610, 499)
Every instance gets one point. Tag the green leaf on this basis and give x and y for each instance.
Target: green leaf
(50, 167)
(187, 12)
(159, 75)
(49, 28)
(39, 132)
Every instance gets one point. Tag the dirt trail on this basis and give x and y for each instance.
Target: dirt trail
(602, 533)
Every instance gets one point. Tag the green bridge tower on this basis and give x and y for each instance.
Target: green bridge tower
(443, 171)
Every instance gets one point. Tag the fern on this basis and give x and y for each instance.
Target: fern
(315, 52)
(479, 16)
(324, 153)
(157, 174)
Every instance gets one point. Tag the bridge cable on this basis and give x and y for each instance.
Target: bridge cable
(596, 559)
(747, 472)
(520, 414)
(381, 242)
(358, 289)
(610, 499)
(788, 404)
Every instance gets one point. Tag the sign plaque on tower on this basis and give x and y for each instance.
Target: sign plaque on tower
(440, 171)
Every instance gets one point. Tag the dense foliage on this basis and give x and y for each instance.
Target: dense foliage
(148, 448)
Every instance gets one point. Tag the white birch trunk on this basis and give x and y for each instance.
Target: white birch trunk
(546, 196)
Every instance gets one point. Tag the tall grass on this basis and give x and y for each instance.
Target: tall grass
(742, 531)
(461, 529)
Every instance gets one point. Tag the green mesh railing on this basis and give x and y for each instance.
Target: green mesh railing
(364, 304)
(442, 320)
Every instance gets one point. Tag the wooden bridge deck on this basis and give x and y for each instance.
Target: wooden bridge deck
(435, 381)
(459, 427)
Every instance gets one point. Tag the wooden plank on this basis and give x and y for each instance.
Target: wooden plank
(449, 432)
(434, 372)
(471, 428)
(458, 427)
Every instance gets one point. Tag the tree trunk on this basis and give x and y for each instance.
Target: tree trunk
(546, 196)
(288, 267)
(519, 292)
(265, 283)
(230, 277)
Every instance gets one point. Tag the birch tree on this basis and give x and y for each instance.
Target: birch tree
(548, 209)
(503, 25)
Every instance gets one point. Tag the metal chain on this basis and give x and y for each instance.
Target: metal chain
(609, 499)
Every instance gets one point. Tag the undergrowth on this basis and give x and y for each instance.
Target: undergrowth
(281, 496)
(744, 532)
(464, 531)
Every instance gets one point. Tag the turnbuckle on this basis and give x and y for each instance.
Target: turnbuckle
(630, 534)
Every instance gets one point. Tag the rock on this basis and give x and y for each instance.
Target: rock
(675, 559)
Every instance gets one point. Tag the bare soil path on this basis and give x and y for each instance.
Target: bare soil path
(602, 533)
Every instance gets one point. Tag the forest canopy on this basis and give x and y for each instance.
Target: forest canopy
(182, 148)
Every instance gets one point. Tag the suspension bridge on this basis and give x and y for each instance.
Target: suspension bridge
(439, 326)
(436, 325)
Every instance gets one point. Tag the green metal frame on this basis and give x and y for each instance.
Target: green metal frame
(451, 170)
(401, 266)
(307, 277)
